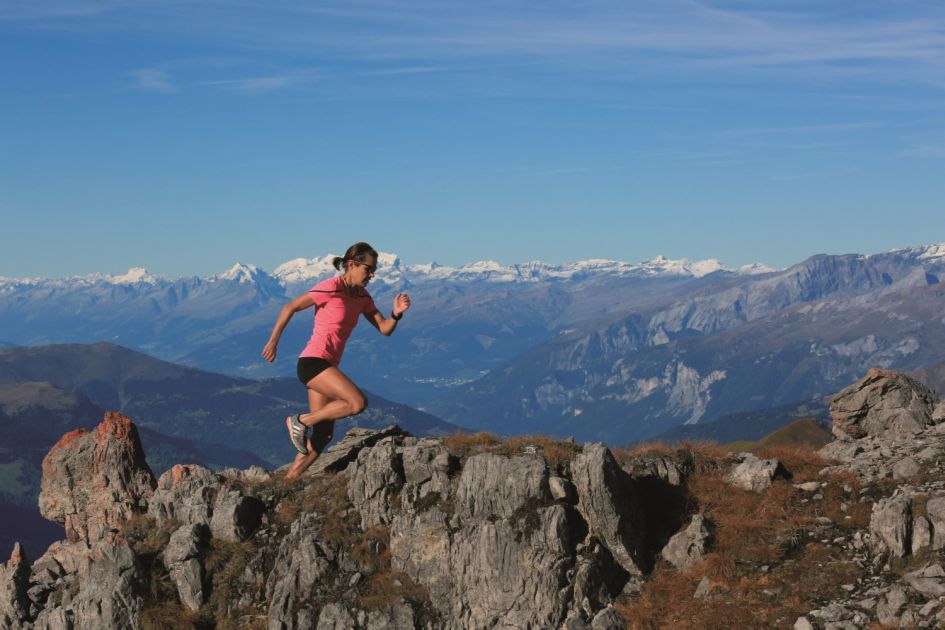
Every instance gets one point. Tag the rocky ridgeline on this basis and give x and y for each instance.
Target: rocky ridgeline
(392, 531)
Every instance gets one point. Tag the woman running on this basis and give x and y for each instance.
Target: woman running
(338, 302)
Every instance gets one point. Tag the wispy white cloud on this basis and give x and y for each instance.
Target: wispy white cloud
(666, 38)
(256, 84)
(814, 174)
(154, 80)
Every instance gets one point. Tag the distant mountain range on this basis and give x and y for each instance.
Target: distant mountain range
(602, 350)
(720, 345)
(465, 320)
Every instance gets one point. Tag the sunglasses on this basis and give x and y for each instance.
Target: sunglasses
(371, 269)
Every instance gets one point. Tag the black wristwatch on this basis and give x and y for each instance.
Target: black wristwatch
(396, 318)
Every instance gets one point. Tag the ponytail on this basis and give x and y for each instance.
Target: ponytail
(358, 252)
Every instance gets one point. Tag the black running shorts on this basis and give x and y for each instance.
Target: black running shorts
(310, 367)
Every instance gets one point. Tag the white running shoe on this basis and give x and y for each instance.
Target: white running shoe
(298, 433)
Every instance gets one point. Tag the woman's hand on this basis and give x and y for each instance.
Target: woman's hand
(269, 351)
(401, 303)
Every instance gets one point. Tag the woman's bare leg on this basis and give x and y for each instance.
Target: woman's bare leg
(320, 437)
(345, 399)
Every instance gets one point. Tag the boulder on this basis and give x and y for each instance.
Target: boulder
(929, 580)
(881, 403)
(688, 546)
(935, 512)
(94, 481)
(756, 474)
(235, 515)
(938, 414)
(182, 559)
(14, 582)
(185, 493)
(891, 525)
(609, 503)
(921, 534)
(890, 605)
(608, 619)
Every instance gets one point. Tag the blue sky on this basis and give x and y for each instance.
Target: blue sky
(184, 136)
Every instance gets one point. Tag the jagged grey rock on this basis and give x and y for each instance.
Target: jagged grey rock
(938, 414)
(891, 524)
(185, 493)
(935, 511)
(702, 589)
(302, 563)
(890, 605)
(562, 489)
(111, 588)
(803, 623)
(608, 619)
(235, 515)
(688, 547)
(668, 469)
(14, 583)
(94, 481)
(609, 503)
(376, 477)
(929, 580)
(905, 468)
(339, 455)
(502, 559)
(756, 474)
(182, 559)
(334, 616)
(921, 534)
(497, 486)
(597, 581)
(881, 403)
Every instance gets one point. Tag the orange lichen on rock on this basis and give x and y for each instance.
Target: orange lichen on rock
(115, 424)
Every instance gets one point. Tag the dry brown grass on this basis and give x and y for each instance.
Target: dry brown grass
(762, 568)
(801, 460)
(386, 588)
(169, 614)
(372, 553)
(326, 496)
(556, 453)
(464, 445)
(145, 537)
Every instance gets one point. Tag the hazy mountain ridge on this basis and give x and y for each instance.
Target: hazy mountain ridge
(833, 317)
(599, 342)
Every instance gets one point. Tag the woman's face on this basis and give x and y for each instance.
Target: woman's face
(361, 272)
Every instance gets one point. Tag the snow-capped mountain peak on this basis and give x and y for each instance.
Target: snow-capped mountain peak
(240, 273)
(135, 275)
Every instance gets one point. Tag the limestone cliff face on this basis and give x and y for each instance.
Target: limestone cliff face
(394, 531)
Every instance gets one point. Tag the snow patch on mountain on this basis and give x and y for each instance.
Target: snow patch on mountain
(243, 274)
(933, 252)
(135, 275)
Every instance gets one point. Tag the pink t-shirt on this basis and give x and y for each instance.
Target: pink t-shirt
(336, 315)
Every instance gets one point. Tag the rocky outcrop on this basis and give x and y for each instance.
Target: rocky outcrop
(93, 482)
(14, 582)
(401, 532)
(881, 403)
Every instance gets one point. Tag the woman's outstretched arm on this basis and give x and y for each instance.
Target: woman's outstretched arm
(386, 325)
(298, 304)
